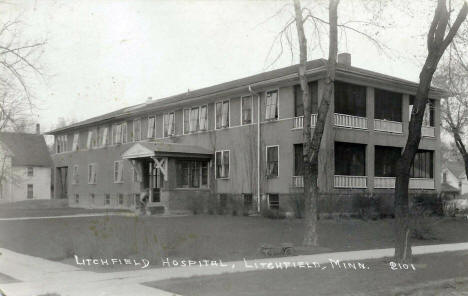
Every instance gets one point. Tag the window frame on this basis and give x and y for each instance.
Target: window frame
(190, 174)
(277, 104)
(30, 171)
(222, 101)
(30, 193)
(107, 199)
(75, 175)
(184, 116)
(267, 162)
(77, 198)
(133, 130)
(90, 172)
(119, 172)
(153, 136)
(76, 142)
(222, 158)
(200, 118)
(269, 201)
(173, 124)
(242, 110)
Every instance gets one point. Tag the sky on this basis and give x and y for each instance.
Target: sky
(104, 55)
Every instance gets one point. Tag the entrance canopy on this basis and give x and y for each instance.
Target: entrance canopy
(159, 149)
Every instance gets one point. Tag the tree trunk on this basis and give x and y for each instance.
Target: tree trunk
(436, 43)
(312, 144)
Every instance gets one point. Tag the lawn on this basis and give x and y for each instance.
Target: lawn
(197, 237)
(379, 279)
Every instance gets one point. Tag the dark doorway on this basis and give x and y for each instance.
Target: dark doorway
(62, 182)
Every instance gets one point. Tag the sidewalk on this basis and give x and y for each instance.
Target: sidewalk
(38, 276)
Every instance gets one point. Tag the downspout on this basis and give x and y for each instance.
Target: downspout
(252, 92)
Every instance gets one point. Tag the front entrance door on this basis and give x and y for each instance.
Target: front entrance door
(155, 182)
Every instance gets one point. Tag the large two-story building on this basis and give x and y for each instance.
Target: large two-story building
(242, 140)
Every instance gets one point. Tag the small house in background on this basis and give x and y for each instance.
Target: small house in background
(25, 167)
(449, 192)
(453, 173)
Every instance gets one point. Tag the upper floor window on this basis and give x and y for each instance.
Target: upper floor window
(75, 176)
(350, 99)
(428, 118)
(118, 171)
(299, 100)
(169, 127)
(151, 127)
(246, 109)
(103, 138)
(204, 118)
(62, 142)
(30, 171)
(388, 105)
(195, 119)
(119, 133)
(136, 130)
(272, 161)
(76, 143)
(271, 105)
(222, 159)
(92, 173)
(222, 114)
(92, 138)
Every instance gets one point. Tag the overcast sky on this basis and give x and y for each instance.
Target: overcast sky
(104, 55)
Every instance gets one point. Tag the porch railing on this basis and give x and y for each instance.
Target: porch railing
(428, 131)
(298, 181)
(342, 181)
(388, 126)
(414, 183)
(345, 120)
(298, 122)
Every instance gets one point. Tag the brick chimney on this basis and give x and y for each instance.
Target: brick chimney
(38, 129)
(344, 58)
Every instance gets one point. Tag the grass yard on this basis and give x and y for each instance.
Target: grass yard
(379, 279)
(197, 237)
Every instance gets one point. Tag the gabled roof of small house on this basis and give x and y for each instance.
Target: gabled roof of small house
(315, 69)
(445, 187)
(456, 167)
(26, 149)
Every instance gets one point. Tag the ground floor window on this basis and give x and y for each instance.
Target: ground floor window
(385, 160)
(423, 166)
(222, 160)
(91, 197)
(248, 200)
(77, 198)
(121, 198)
(272, 161)
(192, 173)
(107, 199)
(30, 191)
(350, 159)
(298, 160)
(273, 201)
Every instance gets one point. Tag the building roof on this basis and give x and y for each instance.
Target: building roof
(445, 187)
(457, 168)
(315, 67)
(150, 149)
(26, 149)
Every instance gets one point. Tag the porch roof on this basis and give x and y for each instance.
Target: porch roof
(149, 149)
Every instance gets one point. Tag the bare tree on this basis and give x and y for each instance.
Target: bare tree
(440, 35)
(18, 65)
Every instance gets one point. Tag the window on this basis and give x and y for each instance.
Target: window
(92, 173)
(75, 179)
(121, 199)
(222, 114)
(107, 199)
(151, 127)
(246, 109)
(134, 175)
(248, 200)
(169, 127)
(298, 160)
(119, 133)
(385, 161)
(77, 198)
(124, 133)
(92, 139)
(91, 198)
(222, 159)
(273, 201)
(223, 201)
(350, 159)
(194, 119)
(30, 191)
(192, 173)
(271, 105)
(350, 99)
(76, 143)
(61, 143)
(422, 165)
(428, 118)
(299, 102)
(118, 171)
(30, 171)
(103, 137)
(186, 121)
(388, 105)
(272, 161)
(203, 118)
(136, 130)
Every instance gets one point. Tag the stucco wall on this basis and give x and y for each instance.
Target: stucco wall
(41, 181)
